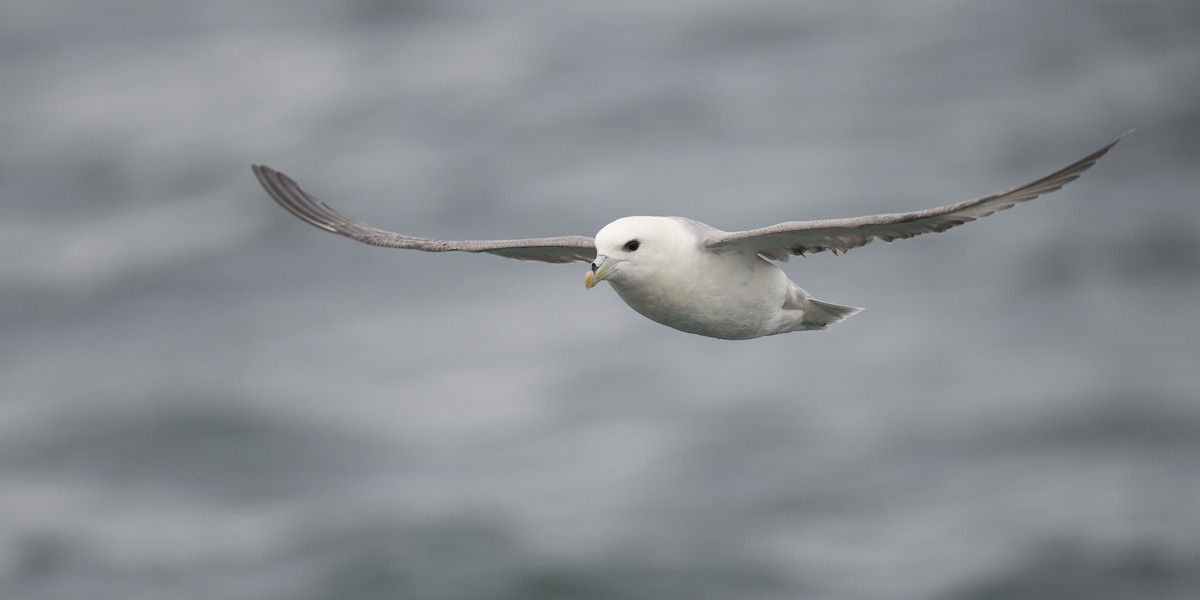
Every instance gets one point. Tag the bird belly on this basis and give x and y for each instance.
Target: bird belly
(732, 304)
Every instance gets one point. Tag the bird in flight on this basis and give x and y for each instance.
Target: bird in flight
(687, 275)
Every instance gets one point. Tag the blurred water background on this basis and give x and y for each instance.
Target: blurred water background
(202, 397)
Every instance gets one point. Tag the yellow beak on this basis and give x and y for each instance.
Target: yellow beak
(601, 269)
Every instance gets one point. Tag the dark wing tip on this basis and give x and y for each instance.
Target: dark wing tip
(288, 194)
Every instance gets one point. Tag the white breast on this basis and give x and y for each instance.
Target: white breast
(730, 296)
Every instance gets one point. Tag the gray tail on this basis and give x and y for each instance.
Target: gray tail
(819, 314)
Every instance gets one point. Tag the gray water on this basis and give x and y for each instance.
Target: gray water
(202, 397)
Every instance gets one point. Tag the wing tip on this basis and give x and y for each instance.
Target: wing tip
(1097, 155)
(287, 193)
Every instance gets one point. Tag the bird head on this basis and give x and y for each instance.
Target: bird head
(635, 248)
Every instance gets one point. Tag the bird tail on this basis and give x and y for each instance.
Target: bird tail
(818, 314)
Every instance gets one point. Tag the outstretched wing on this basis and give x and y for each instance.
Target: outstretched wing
(285, 191)
(780, 241)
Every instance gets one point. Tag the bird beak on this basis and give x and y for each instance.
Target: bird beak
(601, 269)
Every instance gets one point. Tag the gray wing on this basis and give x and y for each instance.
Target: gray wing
(780, 241)
(285, 191)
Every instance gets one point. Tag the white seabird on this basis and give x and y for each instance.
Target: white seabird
(690, 276)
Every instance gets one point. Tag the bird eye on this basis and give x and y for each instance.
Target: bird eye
(632, 245)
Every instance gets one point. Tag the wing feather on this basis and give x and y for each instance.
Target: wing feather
(780, 241)
(285, 191)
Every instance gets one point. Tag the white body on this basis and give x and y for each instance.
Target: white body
(674, 279)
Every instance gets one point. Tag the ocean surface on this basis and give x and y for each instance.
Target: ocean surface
(201, 397)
